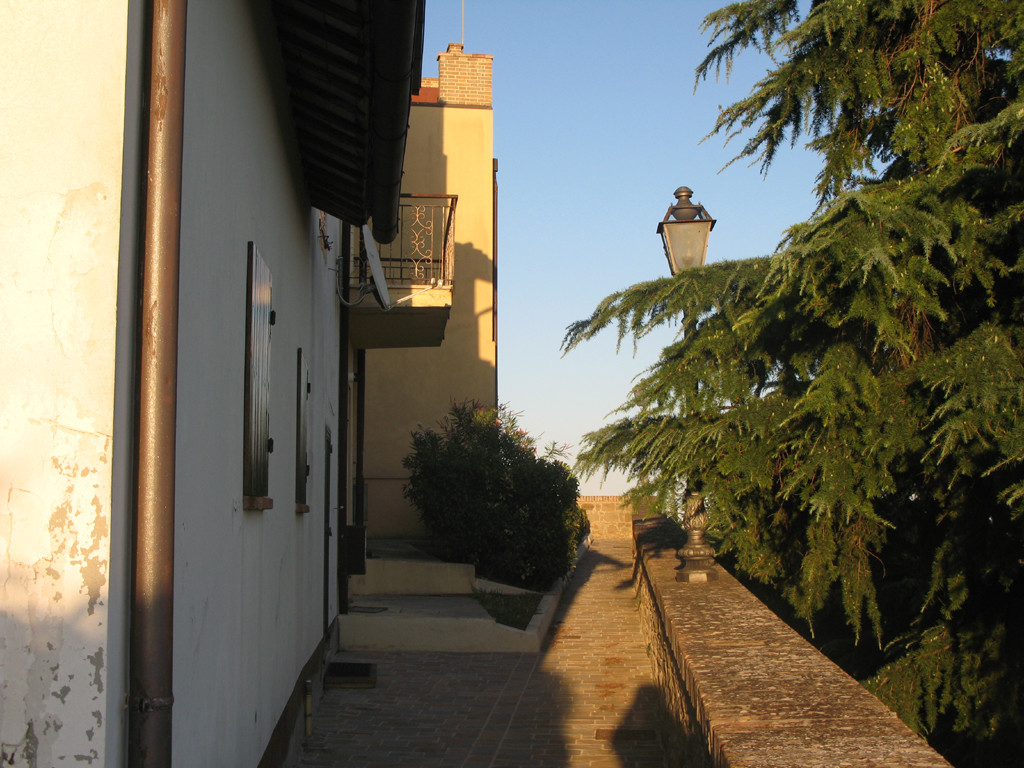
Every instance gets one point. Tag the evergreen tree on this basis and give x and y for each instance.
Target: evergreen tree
(851, 405)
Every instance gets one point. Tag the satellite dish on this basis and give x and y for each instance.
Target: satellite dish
(380, 285)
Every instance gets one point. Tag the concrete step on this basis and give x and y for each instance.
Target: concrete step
(411, 601)
(393, 576)
(438, 623)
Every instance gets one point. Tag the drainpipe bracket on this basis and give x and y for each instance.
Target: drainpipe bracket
(155, 703)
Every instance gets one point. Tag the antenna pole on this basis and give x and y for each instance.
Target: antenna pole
(463, 23)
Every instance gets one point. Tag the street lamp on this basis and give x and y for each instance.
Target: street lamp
(684, 232)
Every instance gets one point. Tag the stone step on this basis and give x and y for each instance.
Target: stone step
(437, 623)
(394, 576)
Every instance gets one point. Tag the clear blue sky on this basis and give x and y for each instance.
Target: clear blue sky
(595, 125)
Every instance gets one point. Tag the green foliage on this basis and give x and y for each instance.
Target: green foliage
(490, 500)
(851, 405)
(512, 610)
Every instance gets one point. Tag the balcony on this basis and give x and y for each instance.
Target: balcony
(418, 268)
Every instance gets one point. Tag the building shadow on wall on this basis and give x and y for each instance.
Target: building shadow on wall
(411, 388)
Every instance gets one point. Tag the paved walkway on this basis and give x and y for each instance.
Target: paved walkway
(588, 700)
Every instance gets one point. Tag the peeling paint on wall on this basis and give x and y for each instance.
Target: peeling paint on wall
(96, 660)
(60, 233)
(53, 593)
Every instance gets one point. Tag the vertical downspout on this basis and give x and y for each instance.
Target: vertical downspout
(494, 273)
(151, 641)
(359, 513)
(343, 479)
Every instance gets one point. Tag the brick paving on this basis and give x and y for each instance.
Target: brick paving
(586, 701)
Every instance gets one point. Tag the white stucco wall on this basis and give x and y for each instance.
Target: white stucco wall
(248, 586)
(61, 139)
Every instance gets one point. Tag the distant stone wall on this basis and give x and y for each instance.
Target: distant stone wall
(741, 688)
(609, 517)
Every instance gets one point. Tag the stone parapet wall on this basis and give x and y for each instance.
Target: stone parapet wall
(609, 517)
(741, 688)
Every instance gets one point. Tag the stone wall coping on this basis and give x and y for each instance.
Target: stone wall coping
(761, 694)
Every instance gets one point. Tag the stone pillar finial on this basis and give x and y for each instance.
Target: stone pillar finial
(698, 556)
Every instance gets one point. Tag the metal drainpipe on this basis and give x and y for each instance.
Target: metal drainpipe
(152, 611)
(494, 272)
(343, 424)
(359, 513)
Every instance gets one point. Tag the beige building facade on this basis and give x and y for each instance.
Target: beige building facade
(450, 151)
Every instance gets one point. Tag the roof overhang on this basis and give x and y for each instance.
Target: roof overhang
(352, 67)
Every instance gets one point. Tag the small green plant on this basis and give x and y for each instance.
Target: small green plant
(512, 610)
(489, 499)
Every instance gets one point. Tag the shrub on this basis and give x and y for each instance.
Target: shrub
(488, 499)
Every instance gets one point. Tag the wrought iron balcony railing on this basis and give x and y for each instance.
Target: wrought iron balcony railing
(423, 253)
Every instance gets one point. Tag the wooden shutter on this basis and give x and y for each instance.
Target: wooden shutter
(301, 426)
(259, 318)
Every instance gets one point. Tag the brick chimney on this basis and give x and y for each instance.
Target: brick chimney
(464, 78)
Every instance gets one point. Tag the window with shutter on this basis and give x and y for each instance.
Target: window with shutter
(302, 389)
(256, 437)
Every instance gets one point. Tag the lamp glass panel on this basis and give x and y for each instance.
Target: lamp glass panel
(686, 243)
